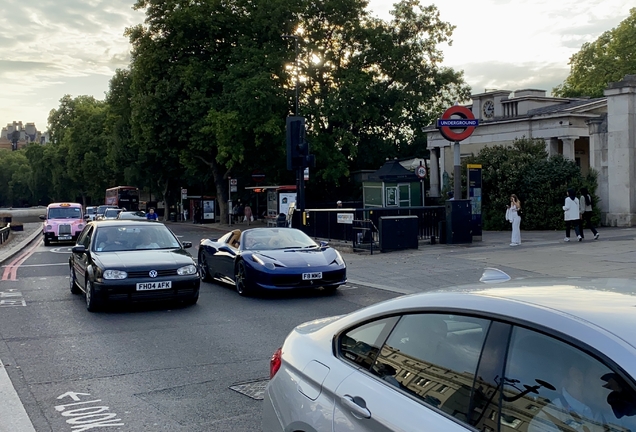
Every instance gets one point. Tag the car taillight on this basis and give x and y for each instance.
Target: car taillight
(274, 363)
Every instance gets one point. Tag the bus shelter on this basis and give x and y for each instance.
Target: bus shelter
(278, 200)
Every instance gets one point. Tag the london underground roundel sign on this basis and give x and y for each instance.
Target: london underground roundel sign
(457, 129)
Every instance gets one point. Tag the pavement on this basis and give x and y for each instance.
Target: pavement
(541, 253)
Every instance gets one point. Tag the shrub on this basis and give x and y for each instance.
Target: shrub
(541, 184)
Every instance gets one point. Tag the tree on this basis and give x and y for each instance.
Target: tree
(607, 59)
(372, 86)
(14, 176)
(79, 149)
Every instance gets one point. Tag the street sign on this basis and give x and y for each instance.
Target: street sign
(467, 123)
(420, 171)
(345, 218)
(184, 194)
(233, 182)
(306, 174)
(233, 188)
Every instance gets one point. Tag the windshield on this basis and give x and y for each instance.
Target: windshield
(65, 213)
(132, 215)
(112, 212)
(137, 237)
(276, 238)
(102, 209)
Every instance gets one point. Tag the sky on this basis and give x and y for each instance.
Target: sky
(49, 48)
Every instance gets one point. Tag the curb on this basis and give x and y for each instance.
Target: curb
(16, 249)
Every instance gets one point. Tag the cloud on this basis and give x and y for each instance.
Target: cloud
(506, 76)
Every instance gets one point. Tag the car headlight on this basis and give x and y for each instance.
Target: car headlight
(80, 226)
(339, 259)
(49, 227)
(187, 270)
(267, 265)
(115, 274)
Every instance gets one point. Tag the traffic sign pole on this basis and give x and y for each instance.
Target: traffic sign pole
(448, 128)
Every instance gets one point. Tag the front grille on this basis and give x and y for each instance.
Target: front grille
(144, 273)
(64, 229)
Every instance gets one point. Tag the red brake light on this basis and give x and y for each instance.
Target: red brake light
(275, 362)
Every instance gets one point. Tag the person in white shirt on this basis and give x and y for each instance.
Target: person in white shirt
(571, 215)
(513, 216)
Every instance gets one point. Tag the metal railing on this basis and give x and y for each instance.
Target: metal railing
(4, 233)
(326, 224)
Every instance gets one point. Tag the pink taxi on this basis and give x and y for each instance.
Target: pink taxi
(62, 222)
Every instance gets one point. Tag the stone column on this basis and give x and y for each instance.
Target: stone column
(552, 147)
(621, 151)
(598, 161)
(434, 174)
(568, 146)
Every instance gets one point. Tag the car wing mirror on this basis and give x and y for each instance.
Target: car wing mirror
(324, 244)
(187, 244)
(42, 217)
(79, 249)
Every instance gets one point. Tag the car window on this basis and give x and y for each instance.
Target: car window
(434, 358)
(81, 239)
(550, 385)
(362, 344)
(276, 238)
(138, 237)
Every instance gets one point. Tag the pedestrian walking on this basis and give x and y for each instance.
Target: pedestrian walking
(571, 215)
(513, 215)
(585, 210)
(247, 211)
(185, 214)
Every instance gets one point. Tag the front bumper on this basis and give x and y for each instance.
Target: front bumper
(51, 236)
(277, 280)
(183, 288)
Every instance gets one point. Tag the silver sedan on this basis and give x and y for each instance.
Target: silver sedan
(530, 356)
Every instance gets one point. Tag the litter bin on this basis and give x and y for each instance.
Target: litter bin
(173, 217)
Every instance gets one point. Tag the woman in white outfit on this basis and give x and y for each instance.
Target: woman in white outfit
(571, 215)
(513, 216)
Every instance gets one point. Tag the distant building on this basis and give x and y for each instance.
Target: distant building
(595, 133)
(23, 135)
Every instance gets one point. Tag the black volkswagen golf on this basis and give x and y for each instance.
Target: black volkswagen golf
(134, 261)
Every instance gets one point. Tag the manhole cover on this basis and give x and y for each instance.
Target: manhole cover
(253, 389)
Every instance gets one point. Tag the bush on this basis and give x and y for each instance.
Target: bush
(541, 184)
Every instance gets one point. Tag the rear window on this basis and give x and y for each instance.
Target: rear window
(64, 213)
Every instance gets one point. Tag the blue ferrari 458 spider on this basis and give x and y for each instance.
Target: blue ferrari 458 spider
(271, 258)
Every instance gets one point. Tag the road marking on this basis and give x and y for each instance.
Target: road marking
(13, 416)
(11, 271)
(11, 298)
(39, 265)
(62, 250)
(86, 417)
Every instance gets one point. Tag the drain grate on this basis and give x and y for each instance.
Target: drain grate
(253, 389)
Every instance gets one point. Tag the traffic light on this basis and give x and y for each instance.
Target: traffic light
(297, 145)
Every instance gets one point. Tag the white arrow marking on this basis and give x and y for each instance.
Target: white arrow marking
(72, 395)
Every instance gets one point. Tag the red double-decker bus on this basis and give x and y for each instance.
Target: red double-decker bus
(123, 197)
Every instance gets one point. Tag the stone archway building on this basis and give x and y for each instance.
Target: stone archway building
(596, 133)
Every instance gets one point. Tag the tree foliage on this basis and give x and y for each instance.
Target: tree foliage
(525, 170)
(210, 83)
(608, 59)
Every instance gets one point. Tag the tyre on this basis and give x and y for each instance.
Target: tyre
(241, 282)
(203, 268)
(73, 282)
(92, 304)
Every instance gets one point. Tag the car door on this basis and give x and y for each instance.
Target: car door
(80, 260)
(420, 380)
(552, 385)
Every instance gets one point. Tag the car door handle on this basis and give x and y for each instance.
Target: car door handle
(357, 405)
